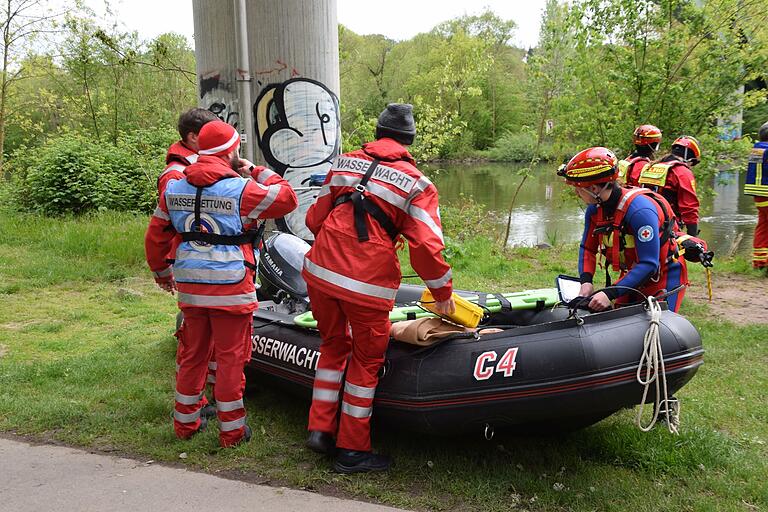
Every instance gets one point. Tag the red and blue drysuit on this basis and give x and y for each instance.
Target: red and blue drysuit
(645, 252)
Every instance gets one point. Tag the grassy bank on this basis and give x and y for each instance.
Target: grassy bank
(86, 357)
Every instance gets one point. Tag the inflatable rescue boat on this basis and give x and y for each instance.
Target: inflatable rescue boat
(544, 368)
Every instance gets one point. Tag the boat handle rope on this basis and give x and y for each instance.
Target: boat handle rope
(655, 373)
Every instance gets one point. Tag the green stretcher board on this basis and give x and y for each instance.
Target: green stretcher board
(527, 299)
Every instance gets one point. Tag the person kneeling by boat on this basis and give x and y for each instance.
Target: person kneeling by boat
(633, 227)
(370, 197)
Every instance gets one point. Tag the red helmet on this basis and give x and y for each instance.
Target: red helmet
(646, 134)
(590, 167)
(692, 148)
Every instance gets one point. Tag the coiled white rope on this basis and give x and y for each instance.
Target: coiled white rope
(653, 361)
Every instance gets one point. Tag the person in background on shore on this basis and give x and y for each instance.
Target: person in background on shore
(673, 178)
(756, 185)
(633, 227)
(369, 199)
(646, 139)
(215, 209)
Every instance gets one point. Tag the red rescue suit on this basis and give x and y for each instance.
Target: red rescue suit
(756, 185)
(177, 159)
(674, 180)
(352, 284)
(217, 316)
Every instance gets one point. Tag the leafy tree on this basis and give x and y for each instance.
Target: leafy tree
(673, 63)
(461, 70)
(22, 23)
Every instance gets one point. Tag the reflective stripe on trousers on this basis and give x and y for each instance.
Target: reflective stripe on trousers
(229, 426)
(186, 418)
(325, 395)
(230, 406)
(188, 399)
(359, 391)
(356, 411)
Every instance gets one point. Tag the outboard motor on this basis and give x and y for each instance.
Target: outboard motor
(282, 259)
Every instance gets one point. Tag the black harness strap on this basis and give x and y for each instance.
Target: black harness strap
(249, 237)
(198, 203)
(362, 207)
(505, 304)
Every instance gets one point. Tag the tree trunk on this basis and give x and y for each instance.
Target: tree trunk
(3, 95)
(4, 89)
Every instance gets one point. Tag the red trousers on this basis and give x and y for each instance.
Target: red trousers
(367, 345)
(760, 245)
(227, 337)
(211, 379)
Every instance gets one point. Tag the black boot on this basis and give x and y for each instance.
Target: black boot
(247, 433)
(352, 461)
(208, 411)
(321, 442)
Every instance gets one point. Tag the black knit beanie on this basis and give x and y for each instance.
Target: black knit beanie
(396, 122)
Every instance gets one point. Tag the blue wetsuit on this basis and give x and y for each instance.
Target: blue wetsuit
(641, 222)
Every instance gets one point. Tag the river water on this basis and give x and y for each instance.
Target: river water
(548, 211)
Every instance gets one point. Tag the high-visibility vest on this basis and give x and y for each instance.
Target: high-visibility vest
(211, 212)
(756, 183)
(656, 175)
(625, 165)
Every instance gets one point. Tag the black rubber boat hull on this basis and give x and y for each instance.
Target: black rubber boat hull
(556, 373)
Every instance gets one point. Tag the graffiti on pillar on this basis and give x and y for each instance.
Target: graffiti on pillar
(217, 95)
(299, 133)
(277, 67)
(225, 113)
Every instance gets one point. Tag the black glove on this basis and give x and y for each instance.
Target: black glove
(579, 303)
(697, 253)
(692, 229)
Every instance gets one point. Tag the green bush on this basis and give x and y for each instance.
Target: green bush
(72, 173)
(514, 147)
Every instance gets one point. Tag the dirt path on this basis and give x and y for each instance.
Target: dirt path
(740, 299)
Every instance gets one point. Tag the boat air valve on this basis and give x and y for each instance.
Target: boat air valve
(488, 432)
